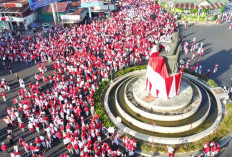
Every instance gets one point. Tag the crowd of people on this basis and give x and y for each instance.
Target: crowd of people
(81, 56)
(197, 50)
(225, 17)
(212, 149)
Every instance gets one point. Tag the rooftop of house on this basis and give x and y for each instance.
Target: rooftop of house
(201, 1)
(62, 7)
(12, 3)
(78, 11)
(13, 9)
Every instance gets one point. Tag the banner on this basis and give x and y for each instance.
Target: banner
(91, 3)
(34, 4)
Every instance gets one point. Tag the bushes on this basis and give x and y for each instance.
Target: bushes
(223, 9)
(127, 70)
(99, 109)
(193, 10)
(214, 17)
(210, 82)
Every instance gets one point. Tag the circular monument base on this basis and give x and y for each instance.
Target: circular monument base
(177, 103)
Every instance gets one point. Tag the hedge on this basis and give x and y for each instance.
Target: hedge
(127, 70)
(214, 17)
(210, 82)
(99, 109)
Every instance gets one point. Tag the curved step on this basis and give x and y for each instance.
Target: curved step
(163, 117)
(175, 104)
(159, 138)
(157, 128)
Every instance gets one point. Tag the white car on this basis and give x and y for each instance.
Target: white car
(46, 27)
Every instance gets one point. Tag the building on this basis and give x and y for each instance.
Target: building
(66, 12)
(211, 5)
(45, 14)
(16, 14)
(77, 16)
(110, 5)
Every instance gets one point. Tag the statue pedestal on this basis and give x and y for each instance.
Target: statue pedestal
(177, 103)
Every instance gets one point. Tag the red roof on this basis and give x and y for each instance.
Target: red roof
(194, 6)
(186, 5)
(213, 6)
(62, 7)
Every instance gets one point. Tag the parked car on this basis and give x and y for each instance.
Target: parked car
(46, 27)
(34, 26)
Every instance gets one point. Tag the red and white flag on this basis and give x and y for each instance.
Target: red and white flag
(153, 122)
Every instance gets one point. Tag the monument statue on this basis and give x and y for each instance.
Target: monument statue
(162, 77)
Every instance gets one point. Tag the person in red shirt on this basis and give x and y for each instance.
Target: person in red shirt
(4, 148)
(32, 148)
(4, 96)
(76, 148)
(69, 147)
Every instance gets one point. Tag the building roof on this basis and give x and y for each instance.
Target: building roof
(78, 11)
(62, 7)
(14, 10)
(194, 6)
(186, 5)
(200, 1)
(22, 2)
(76, 4)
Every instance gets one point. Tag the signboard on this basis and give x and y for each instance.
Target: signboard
(105, 7)
(34, 4)
(91, 3)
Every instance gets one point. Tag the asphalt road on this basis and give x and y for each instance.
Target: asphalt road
(217, 41)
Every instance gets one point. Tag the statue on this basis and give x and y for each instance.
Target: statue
(163, 79)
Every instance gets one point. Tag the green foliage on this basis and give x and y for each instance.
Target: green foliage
(212, 83)
(214, 17)
(193, 10)
(223, 9)
(205, 10)
(99, 109)
(127, 70)
(224, 129)
(197, 75)
(178, 10)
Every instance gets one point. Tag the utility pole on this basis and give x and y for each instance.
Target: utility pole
(198, 12)
(108, 8)
(58, 19)
(90, 15)
(53, 13)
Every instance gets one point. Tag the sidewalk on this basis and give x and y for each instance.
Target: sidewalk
(199, 22)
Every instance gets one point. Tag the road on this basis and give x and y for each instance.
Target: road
(217, 40)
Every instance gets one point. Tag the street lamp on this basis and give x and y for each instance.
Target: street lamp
(111, 81)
